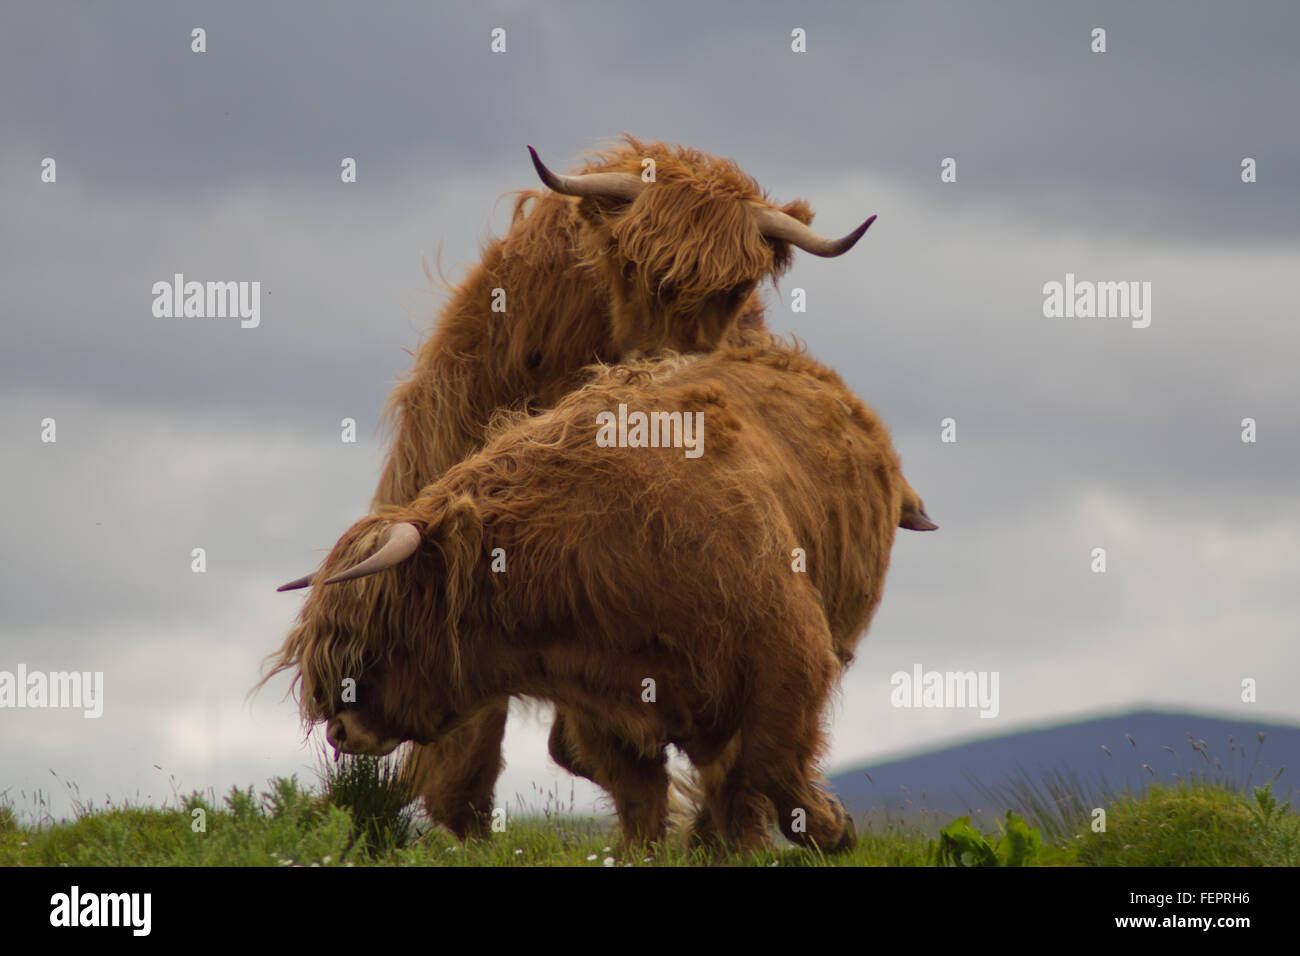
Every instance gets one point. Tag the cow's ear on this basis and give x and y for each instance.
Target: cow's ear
(597, 211)
(800, 210)
(461, 511)
(462, 527)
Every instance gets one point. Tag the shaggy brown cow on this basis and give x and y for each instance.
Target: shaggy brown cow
(651, 593)
(599, 268)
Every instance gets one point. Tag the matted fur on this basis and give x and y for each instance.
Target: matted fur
(632, 563)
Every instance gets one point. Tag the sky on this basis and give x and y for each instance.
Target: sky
(1072, 434)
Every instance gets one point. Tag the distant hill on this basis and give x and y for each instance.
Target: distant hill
(940, 781)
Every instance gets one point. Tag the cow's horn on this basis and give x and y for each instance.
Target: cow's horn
(915, 519)
(403, 541)
(778, 225)
(612, 185)
(302, 582)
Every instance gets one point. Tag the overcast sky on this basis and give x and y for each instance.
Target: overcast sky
(1072, 433)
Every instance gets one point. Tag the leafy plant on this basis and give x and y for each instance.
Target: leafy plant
(961, 844)
(1276, 836)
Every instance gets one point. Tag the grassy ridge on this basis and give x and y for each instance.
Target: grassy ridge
(358, 819)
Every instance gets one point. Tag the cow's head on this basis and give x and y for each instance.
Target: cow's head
(374, 659)
(682, 239)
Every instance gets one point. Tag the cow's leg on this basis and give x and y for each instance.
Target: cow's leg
(809, 817)
(709, 779)
(563, 748)
(782, 737)
(640, 792)
(737, 811)
(703, 832)
(457, 774)
(637, 782)
(783, 762)
(733, 812)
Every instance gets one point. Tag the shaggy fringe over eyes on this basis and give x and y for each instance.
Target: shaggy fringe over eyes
(324, 655)
(685, 242)
(687, 245)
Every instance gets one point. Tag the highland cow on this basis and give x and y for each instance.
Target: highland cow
(705, 602)
(602, 267)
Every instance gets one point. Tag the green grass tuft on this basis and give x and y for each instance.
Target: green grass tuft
(377, 797)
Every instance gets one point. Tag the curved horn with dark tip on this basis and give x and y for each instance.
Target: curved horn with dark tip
(302, 582)
(610, 185)
(403, 541)
(778, 225)
(915, 519)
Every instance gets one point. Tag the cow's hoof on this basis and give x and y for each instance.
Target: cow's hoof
(848, 832)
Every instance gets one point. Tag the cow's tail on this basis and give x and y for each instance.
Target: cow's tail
(685, 799)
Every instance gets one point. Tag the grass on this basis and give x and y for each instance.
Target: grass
(1057, 800)
(360, 815)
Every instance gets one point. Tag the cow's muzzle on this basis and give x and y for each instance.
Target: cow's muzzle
(347, 734)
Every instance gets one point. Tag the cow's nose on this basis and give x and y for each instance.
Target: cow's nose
(335, 733)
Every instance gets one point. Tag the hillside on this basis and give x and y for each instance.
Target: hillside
(945, 781)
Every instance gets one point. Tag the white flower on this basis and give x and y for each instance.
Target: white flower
(590, 858)
(609, 861)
